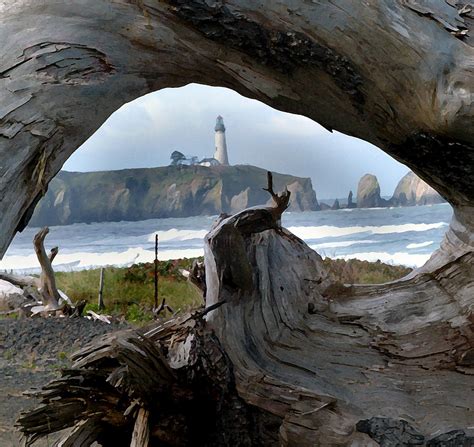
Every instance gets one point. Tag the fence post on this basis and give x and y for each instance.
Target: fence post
(100, 303)
(156, 272)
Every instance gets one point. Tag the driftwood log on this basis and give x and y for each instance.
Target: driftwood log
(41, 296)
(279, 358)
(383, 362)
(47, 280)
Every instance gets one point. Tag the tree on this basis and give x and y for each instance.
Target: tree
(177, 158)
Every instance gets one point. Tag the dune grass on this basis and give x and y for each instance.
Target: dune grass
(129, 292)
(354, 271)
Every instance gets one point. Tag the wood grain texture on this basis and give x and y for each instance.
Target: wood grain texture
(323, 356)
(396, 73)
(310, 365)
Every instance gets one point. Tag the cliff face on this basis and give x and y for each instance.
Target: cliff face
(411, 190)
(138, 194)
(368, 193)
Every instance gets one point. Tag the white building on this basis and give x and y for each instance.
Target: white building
(221, 146)
(208, 162)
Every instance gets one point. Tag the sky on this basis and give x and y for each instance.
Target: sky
(144, 133)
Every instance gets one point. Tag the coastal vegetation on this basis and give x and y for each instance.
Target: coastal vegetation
(128, 291)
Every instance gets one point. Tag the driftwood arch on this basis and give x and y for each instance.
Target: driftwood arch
(397, 73)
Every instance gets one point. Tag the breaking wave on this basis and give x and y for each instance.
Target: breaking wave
(420, 245)
(178, 235)
(309, 233)
(400, 258)
(84, 260)
(340, 244)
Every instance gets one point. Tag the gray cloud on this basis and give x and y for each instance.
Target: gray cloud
(144, 132)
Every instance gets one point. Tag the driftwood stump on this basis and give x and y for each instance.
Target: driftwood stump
(47, 281)
(278, 358)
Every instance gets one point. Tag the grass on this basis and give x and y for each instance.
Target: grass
(129, 292)
(354, 271)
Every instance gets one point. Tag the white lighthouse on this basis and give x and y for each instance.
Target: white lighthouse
(221, 147)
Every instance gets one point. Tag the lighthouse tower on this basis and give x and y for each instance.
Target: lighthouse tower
(221, 147)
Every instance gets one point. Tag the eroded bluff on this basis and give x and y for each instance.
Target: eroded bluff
(139, 194)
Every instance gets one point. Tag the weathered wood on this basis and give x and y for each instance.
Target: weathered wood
(395, 73)
(84, 434)
(197, 277)
(20, 281)
(322, 361)
(281, 201)
(377, 362)
(100, 300)
(141, 429)
(48, 289)
(78, 309)
(408, 90)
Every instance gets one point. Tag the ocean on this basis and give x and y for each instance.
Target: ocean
(404, 236)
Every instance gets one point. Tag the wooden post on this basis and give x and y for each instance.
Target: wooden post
(100, 303)
(156, 273)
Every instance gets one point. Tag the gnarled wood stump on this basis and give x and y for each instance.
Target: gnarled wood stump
(286, 356)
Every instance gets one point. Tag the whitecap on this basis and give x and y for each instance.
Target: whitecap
(420, 245)
(83, 260)
(340, 244)
(178, 235)
(399, 258)
(323, 231)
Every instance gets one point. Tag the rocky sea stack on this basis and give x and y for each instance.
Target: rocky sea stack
(412, 190)
(368, 193)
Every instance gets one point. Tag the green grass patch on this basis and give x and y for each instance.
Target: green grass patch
(129, 292)
(354, 271)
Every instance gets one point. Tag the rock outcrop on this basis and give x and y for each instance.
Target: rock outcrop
(412, 190)
(350, 202)
(368, 193)
(171, 191)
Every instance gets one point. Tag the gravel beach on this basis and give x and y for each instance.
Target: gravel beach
(32, 352)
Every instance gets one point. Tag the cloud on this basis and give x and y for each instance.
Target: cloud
(295, 125)
(144, 132)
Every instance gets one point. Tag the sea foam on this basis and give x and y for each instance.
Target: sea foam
(323, 231)
(178, 235)
(400, 258)
(420, 245)
(84, 260)
(340, 244)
